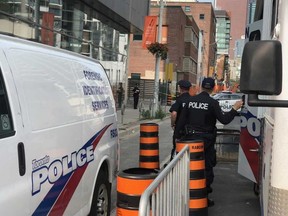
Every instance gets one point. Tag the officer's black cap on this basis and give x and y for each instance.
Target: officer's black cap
(208, 83)
(184, 84)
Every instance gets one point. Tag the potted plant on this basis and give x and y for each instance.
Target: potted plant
(158, 49)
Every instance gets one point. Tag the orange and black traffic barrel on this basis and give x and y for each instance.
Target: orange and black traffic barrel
(149, 146)
(198, 204)
(131, 183)
(169, 99)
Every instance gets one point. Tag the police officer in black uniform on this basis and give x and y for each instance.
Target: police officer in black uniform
(175, 110)
(198, 120)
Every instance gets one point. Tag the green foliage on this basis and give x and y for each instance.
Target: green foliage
(160, 114)
(146, 114)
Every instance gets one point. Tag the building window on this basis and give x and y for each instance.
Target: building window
(137, 37)
(6, 125)
(73, 25)
(202, 16)
(187, 9)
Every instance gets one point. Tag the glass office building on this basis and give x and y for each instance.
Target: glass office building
(223, 27)
(91, 28)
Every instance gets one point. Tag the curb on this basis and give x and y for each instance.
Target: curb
(134, 127)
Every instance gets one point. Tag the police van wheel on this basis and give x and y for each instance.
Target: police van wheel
(101, 203)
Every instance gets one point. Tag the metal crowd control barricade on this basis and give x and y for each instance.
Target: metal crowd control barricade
(198, 205)
(168, 194)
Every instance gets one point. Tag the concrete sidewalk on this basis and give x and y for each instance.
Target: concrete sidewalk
(129, 121)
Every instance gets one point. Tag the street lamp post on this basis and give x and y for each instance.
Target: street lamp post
(157, 63)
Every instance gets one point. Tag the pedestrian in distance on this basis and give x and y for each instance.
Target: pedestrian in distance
(136, 92)
(175, 110)
(120, 93)
(198, 121)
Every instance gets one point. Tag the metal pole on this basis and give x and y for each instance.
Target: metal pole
(37, 19)
(200, 57)
(124, 104)
(157, 64)
(126, 72)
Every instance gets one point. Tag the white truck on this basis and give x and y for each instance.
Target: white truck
(264, 75)
(58, 132)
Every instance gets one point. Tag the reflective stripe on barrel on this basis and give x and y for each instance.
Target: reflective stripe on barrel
(152, 152)
(149, 128)
(126, 212)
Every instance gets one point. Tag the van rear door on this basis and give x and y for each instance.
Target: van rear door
(15, 195)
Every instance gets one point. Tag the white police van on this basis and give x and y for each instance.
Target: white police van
(58, 132)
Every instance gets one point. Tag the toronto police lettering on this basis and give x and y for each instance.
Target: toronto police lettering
(98, 90)
(43, 172)
(94, 90)
(92, 75)
(198, 105)
(99, 105)
(41, 162)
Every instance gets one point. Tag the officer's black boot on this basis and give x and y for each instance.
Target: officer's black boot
(210, 202)
(209, 189)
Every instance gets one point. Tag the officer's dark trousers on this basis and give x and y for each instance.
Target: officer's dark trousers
(210, 154)
(119, 101)
(136, 99)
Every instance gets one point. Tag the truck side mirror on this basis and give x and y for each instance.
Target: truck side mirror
(261, 68)
(261, 72)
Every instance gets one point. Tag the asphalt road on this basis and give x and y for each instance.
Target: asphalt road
(233, 194)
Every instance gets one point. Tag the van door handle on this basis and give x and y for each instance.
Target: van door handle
(21, 159)
(254, 150)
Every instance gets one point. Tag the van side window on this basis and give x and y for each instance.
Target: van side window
(6, 127)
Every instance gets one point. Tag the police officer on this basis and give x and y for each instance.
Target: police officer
(136, 92)
(200, 115)
(175, 110)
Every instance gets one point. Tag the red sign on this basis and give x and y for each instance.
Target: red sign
(149, 35)
(47, 36)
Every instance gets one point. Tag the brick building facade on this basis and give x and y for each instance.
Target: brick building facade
(203, 14)
(182, 42)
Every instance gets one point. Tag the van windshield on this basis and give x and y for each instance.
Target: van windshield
(6, 127)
